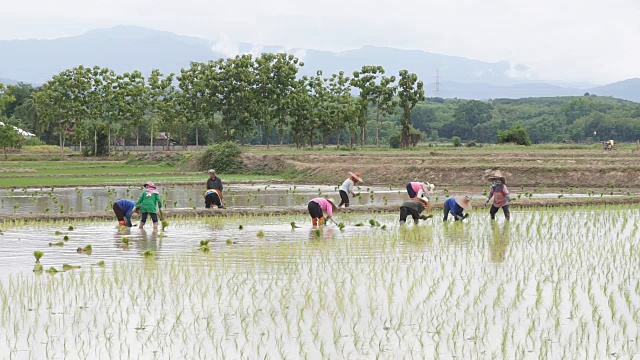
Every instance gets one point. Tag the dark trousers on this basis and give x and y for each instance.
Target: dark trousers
(315, 211)
(120, 215)
(457, 216)
(154, 218)
(344, 198)
(212, 199)
(410, 191)
(404, 211)
(494, 210)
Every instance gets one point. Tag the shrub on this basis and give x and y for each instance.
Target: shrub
(457, 142)
(395, 141)
(225, 157)
(517, 135)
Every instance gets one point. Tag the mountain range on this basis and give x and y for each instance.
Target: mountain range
(126, 48)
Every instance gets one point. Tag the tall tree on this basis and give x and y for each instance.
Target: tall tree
(410, 92)
(192, 97)
(162, 96)
(366, 80)
(236, 82)
(9, 137)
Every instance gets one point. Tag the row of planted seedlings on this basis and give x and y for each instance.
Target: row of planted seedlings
(554, 283)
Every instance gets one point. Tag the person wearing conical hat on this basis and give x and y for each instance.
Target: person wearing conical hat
(418, 189)
(456, 206)
(346, 188)
(500, 195)
(317, 207)
(414, 207)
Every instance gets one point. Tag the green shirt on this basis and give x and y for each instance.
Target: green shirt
(148, 202)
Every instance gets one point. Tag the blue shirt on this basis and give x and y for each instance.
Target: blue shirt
(453, 206)
(127, 207)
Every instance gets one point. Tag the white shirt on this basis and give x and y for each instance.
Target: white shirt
(347, 186)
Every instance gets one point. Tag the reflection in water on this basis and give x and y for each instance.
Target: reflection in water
(499, 242)
(457, 232)
(321, 233)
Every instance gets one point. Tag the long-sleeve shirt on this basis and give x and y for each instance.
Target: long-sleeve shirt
(215, 183)
(127, 207)
(453, 206)
(415, 205)
(325, 205)
(499, 194)
(148, 202)
(347, 186)
(416, 186)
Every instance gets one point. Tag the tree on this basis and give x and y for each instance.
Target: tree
(274, 77)
(9, 137)
(467, 115)
(133, 101)
(410, 92)
(236, 82)
(365, 80)
(516, 135)
(191, 82)
(162, 107)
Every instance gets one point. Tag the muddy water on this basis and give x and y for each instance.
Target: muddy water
(180, 237)
(89, 199)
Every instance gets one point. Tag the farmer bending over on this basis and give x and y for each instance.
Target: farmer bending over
(123, 209)
(418, 189)
(414, 207)
(316, 208)
(456, 206)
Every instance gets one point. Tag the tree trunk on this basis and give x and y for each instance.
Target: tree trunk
(61, 143)
(137, 137)
(5, 154)
(109, 142)
(152, 136)
(197, 143)
(378, 128)
(95, 142)
(80, 147)
(364, 131)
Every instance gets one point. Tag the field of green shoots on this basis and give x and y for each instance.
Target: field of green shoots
(553, 283)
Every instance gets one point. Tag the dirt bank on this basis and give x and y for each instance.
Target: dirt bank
(591, 169)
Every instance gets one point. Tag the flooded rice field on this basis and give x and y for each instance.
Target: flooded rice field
(249, 196)
(552, 283)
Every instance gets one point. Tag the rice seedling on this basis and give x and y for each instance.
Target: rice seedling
(125, 240)
(59, 243)
(38, 255)
(85, 250)
(66, 238)
(148, 254)
(260, 234)
(67, 267)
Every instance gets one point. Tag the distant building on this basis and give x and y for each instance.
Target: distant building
(24, 133)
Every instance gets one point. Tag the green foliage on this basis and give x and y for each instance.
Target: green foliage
(9, 137)
(517, 135)
(457, 142)
(395, 141)
(225, 158)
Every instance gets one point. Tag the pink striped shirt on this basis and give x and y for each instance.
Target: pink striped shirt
(325, 205)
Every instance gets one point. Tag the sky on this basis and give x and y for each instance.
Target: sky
(593, 41)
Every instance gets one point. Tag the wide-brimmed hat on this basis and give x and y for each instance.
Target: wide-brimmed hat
(425, 201)
(149, 184)
(356, 176)
(211, 171)
(497, 175)
(426, 187)
(464, 202)
(333, 203)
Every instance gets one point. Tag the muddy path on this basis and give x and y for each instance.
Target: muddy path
(194, 213)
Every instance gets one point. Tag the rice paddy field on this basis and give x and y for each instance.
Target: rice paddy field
(557, 283)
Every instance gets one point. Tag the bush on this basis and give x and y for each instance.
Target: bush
(395, 141)
(225, 157)
(472, 144)
(457, 142)
(517, 135)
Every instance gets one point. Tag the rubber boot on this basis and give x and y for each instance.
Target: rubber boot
(321, 221)
(314, 221)
(401, 223)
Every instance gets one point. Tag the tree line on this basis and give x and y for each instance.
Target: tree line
(230, 99)
(263, 100)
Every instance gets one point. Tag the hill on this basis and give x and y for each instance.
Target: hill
(124, 48)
